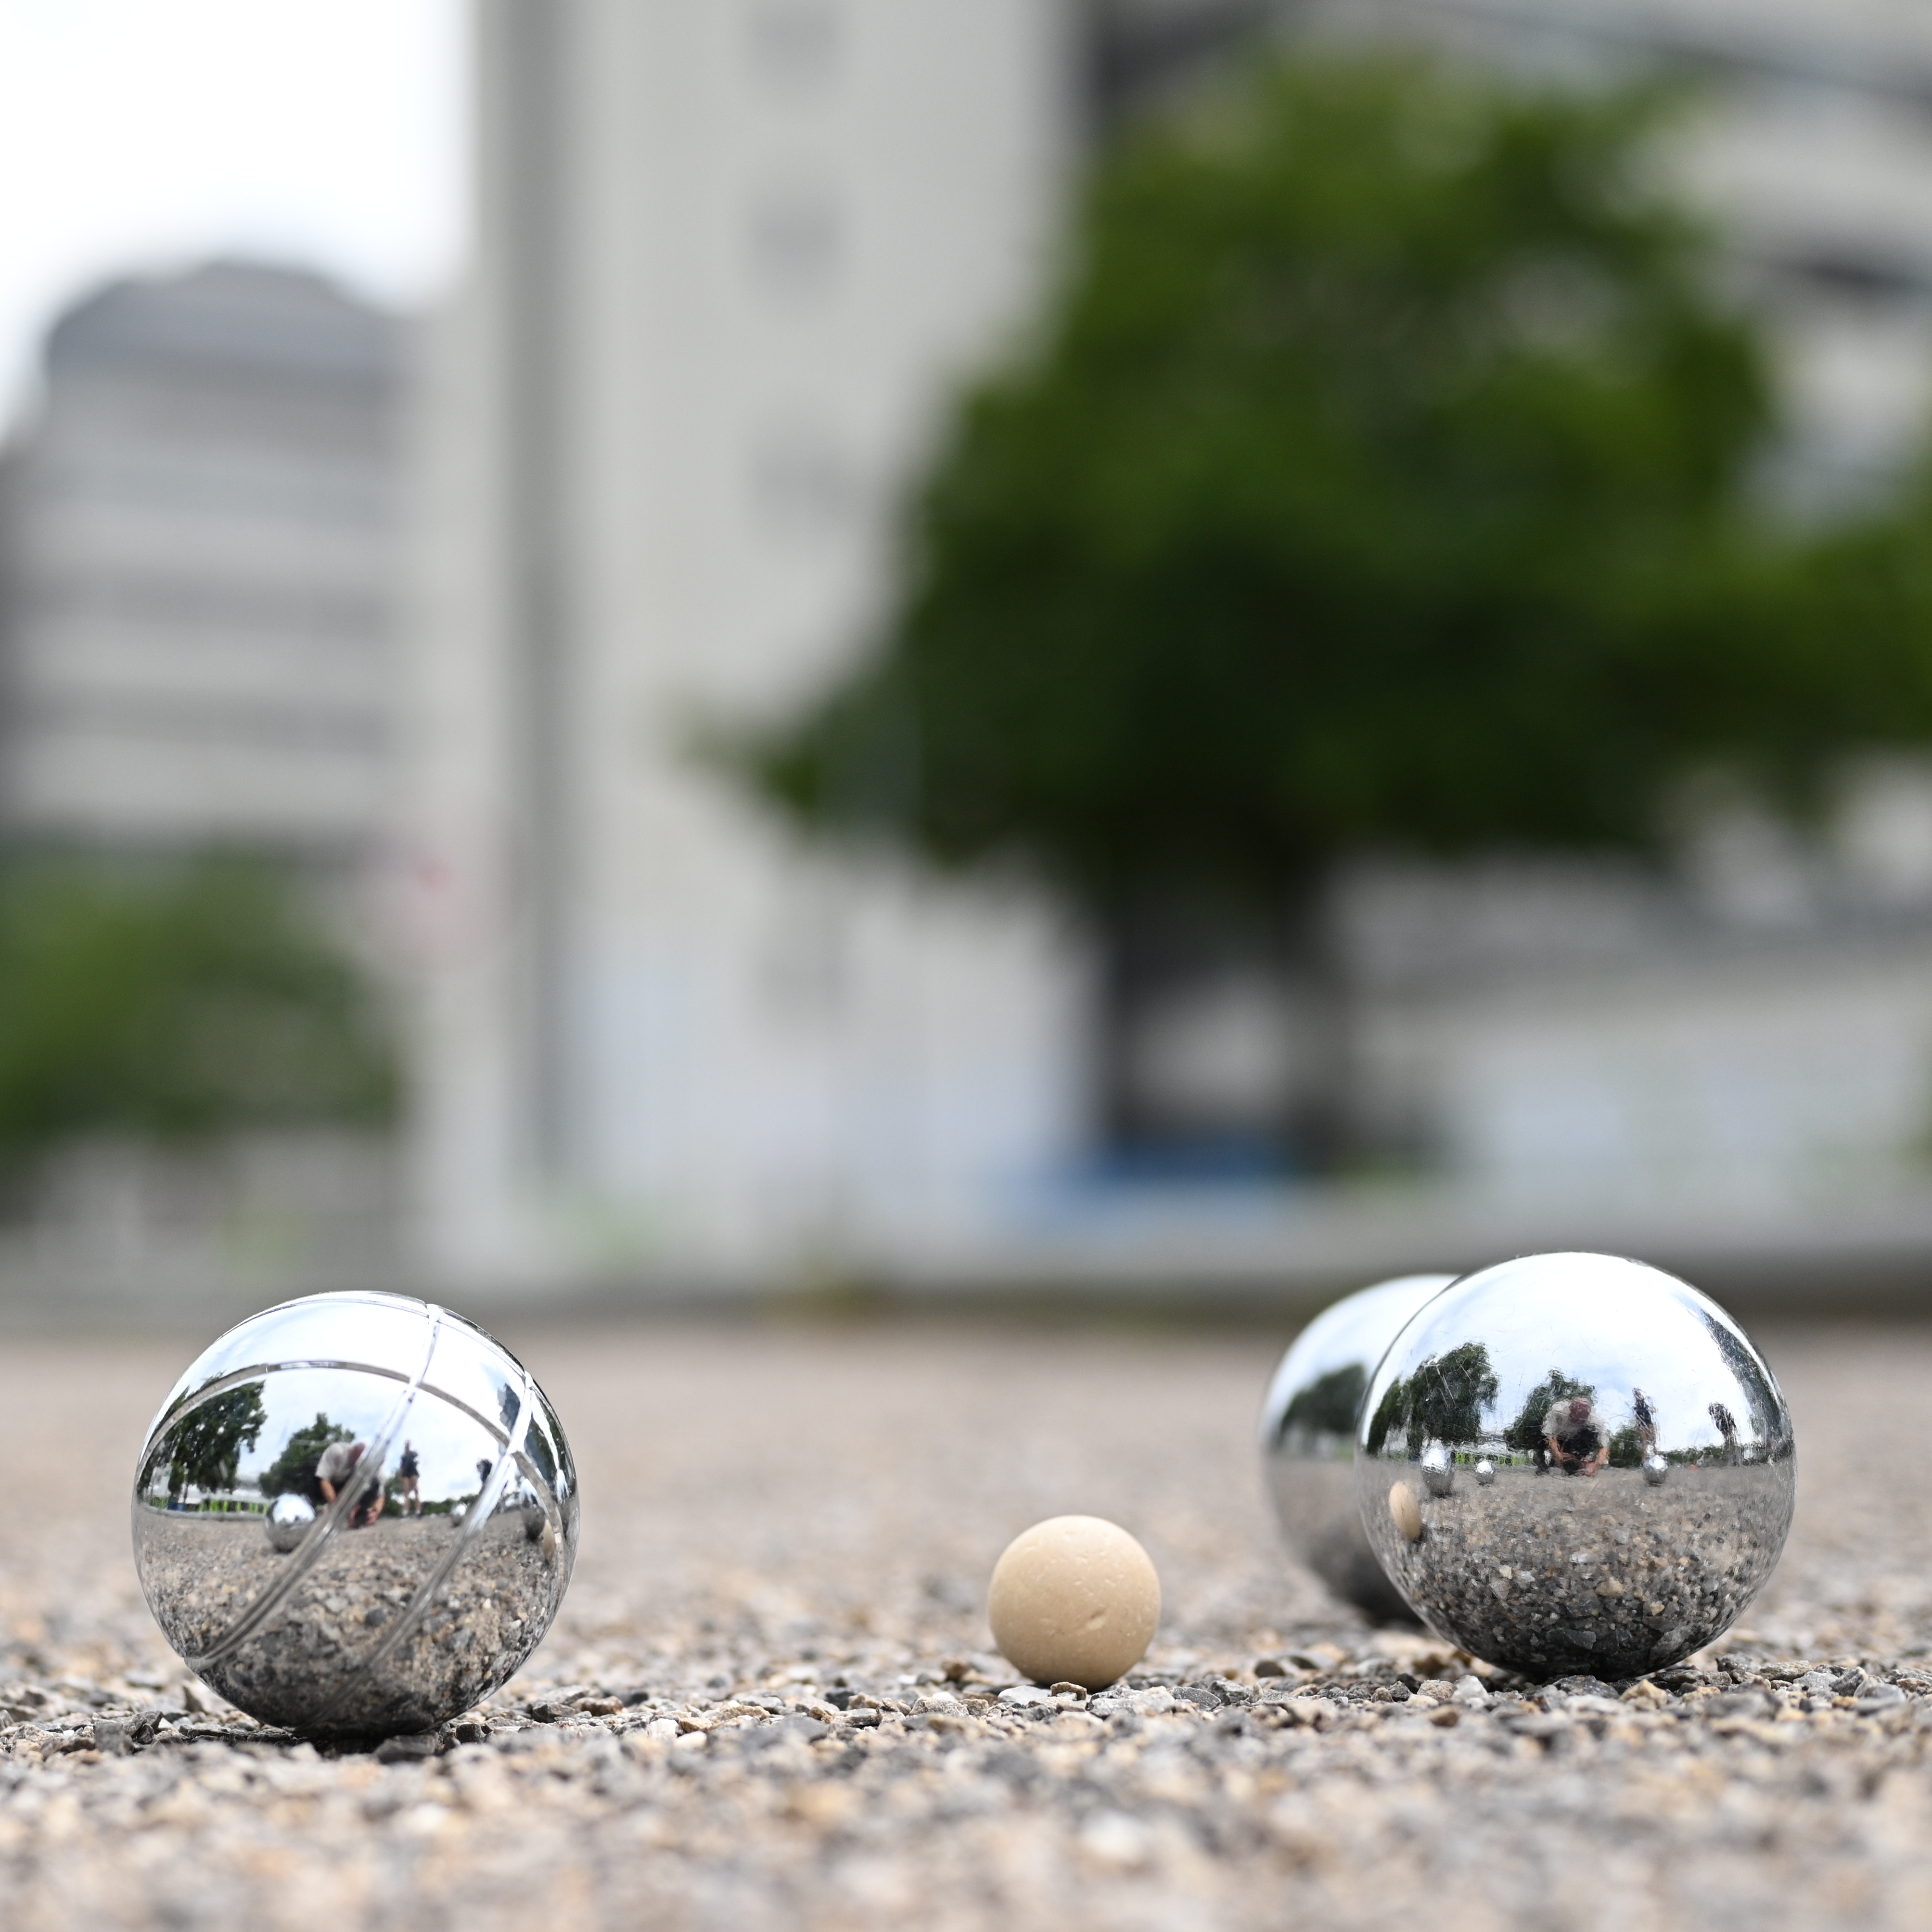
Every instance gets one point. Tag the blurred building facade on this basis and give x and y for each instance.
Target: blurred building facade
(733, 260)
(202, 544)
(199, 551)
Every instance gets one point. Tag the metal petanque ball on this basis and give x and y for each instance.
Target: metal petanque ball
(355, 1515)
(290, 1517)
(1308, 1435)
(1644, 1466)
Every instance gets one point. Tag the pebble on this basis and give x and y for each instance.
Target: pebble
(1074, 1598)
(1406, 1511)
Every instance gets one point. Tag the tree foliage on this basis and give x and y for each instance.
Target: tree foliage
(1329, 1405)
(1442, 1401)
(1384, 475)
(176, 1006)
(204, 1450)
(1446, 1395)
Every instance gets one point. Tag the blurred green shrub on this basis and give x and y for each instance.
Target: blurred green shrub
(1387, 473)
(177, 1006)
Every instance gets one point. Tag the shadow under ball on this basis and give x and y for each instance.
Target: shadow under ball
(1308, 1436)
(1642, 1470)
(428, 1577)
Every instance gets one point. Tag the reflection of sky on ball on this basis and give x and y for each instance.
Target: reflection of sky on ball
(448, 1443)
(1597, 1326)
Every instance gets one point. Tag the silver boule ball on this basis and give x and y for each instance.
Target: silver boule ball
(419, 1505)
(1571, 1373)
(1308, 1435)
(1438, 1470)
(1655, 1469)
(289, 1516)
(1486, 1471)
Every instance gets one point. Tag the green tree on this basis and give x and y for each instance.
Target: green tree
(204, 1449)
(1330, 1404)
(1383, 476)
(1446, 1395)
(1391, 1414)
(294, 1468)
(177, 1006)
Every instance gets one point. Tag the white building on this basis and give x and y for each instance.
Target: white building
(734, 255)
(198, 560)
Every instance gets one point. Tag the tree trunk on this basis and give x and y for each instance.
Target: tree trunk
(1226, 1037)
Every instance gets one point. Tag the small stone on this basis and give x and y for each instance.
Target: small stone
(1739, 1704)
(411, 1747)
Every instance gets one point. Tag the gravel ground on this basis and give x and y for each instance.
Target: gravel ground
(768, 1701)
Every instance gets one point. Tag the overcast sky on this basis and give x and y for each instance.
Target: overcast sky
(143, 134)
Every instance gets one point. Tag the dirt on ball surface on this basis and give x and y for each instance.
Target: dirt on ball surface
(772, 1699)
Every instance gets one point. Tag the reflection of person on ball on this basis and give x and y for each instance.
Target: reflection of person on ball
(333, 1473)
(1727, 1427)
(1577, 1444)
(1646, 1420)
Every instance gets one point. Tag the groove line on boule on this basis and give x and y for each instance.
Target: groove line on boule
(306, 1554)
(471, 1527)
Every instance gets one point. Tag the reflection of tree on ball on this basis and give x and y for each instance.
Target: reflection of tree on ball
(1328, 1406)
(204, 1452)
(1442, 1401)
